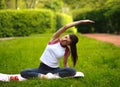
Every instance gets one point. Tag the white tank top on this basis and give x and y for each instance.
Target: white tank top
(53, 52)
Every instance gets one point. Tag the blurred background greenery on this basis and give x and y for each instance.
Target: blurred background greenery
(25, 17)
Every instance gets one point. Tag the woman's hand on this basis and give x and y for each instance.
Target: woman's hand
(66, 65)
(87, 21)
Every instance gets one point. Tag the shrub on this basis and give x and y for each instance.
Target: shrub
(112, 15)
(106, 18)
(25, 22)
(100, 20)
(80, 15)
(63, 19)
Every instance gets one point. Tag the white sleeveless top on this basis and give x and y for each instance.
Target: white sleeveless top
(53, 52)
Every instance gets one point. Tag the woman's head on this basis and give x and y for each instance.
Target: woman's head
(71, 40)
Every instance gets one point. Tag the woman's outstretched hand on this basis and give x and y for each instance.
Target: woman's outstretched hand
(87, 21)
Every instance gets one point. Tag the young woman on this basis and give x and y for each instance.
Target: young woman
(57, 48)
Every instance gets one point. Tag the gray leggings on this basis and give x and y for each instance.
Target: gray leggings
(44, 69)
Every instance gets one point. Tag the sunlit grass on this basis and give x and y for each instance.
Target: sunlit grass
(99, 61)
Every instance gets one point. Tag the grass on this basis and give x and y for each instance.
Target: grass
(100, 62)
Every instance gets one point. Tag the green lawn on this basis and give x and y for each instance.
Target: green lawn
(99, 61)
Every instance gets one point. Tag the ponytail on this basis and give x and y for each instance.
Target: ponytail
(74, 40)
(74, 54)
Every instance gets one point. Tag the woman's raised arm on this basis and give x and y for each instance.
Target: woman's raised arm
(57, 34)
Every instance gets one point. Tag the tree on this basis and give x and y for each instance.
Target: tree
(2, 4)
(54, 5)
(10, 4)
(31, 3)
(76, 4)
(16, 4)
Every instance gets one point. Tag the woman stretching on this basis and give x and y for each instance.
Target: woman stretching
(57, 48)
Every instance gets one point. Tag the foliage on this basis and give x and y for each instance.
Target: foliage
(25, 22)
(104, 12)
(63, 19)
(99, 61)
(81, 4)
(112, 15)
(54, 5)
(2, 4)
(106, 18)
(32, 4)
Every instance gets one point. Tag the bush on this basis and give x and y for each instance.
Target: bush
(6, 32)
(63, 19)
(81, 15)
(100, 20)
(106, 18)
(112, 15)
(25, 22)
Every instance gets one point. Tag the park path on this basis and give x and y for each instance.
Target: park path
(114, 39)
(6, 38)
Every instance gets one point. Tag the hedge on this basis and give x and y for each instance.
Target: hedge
(107, 19)
(63, 19)
(113, 18)
(25, 22)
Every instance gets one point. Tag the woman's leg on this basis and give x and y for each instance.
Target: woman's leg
(62, 72)
(43, 69)
(66, 72)
(36, 72)
(30, 73)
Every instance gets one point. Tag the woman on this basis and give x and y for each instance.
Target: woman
(57, 48)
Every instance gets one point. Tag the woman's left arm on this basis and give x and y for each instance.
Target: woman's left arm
(65, 62)
(64, 28)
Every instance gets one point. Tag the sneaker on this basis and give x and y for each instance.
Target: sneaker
(14, 78)
(79, 74)
(52, 76)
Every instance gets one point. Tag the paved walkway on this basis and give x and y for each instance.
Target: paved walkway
(114, 39)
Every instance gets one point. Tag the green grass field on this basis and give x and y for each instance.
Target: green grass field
(99, 61)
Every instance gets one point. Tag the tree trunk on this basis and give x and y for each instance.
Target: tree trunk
(16, 4)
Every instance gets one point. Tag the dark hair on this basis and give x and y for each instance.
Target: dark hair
(74, 40)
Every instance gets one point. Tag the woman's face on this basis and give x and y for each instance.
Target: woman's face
(65, 40)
